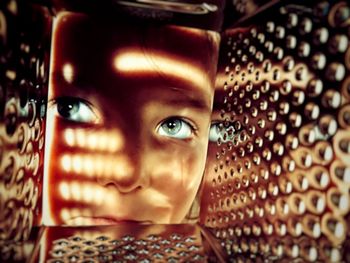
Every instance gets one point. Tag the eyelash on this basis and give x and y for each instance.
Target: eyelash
(79, 110)
(83, 111)
(193, 128)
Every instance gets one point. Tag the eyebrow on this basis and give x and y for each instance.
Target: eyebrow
(183, 99)
(195, 99)
(188, 102)
(75, 87)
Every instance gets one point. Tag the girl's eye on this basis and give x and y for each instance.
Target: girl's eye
(217, 132)
(75, 109)
(175, 128)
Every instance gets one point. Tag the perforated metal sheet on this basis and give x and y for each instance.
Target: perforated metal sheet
(23, 85)
(237, 10)
(277, 182)
(277, 188)
(123, 243)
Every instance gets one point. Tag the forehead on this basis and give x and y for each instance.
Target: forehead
(121, 50)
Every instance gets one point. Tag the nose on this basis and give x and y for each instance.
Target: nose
(124, 171)
(128, 170)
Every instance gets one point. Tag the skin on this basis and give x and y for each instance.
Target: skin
(116, 92)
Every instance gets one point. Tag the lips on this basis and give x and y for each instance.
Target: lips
(98, 221)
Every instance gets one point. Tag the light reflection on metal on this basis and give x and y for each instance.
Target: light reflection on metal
(283, 73)
(177, 7)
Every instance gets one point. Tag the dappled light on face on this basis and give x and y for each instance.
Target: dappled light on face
(69, 137)
(75, 189)
(68, 72)
(104, 140)
(65, 191)
(77, 164)
(67, 214)
(66, 163)
(131, 61)
(84, 192)
(96, 165)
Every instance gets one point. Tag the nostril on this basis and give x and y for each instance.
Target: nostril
(125, 186)
(124, 189)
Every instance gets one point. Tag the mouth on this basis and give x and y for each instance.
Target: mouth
(102, 221)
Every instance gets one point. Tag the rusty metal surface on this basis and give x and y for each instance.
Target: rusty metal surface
(277, 181)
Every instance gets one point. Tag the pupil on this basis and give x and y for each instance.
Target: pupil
(173, 126)
(67, 108)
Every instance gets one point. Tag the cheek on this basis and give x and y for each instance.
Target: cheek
(65, 188)
(193, 168)
(181, 173)
(192, 173)
(211, 161)
(196, 165)
(53, 175)
(177, 166)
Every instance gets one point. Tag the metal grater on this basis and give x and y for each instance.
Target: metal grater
(277, 177)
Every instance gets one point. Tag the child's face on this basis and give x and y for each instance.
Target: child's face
(128, 121)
